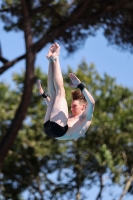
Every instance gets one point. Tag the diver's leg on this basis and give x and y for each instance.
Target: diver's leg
(51, 91)
(59, 113)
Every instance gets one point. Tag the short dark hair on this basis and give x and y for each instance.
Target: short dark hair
(78, 95)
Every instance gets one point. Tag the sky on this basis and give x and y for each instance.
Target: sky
(107, 59)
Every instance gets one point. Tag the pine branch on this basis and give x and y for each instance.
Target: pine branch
(129, 182)
(9, 64)
(4, 60)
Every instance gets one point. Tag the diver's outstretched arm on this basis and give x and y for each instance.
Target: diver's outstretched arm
(43, 93)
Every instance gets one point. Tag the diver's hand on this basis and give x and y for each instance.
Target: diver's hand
(75, 80)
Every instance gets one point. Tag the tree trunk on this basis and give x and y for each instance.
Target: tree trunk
(12, 131)
(101, 188)
(129, 182)
(78, 196)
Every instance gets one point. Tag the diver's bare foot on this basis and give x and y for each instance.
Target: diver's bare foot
(53, 52)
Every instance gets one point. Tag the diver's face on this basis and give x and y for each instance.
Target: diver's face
(77, 107)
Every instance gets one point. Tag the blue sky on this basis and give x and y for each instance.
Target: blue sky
(107, 59)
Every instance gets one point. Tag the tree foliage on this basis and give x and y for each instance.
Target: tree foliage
(50, 169)
(71, 21)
